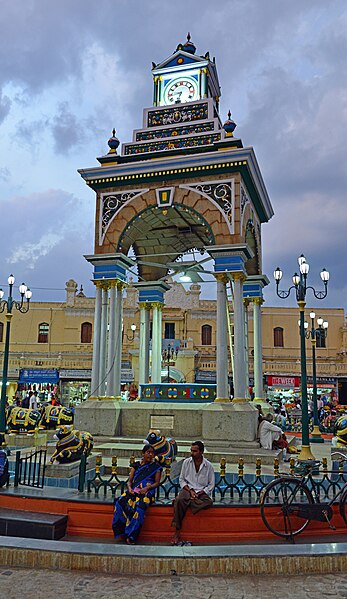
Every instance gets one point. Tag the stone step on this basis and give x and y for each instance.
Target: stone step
(232, 455)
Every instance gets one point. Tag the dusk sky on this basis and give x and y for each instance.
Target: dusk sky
(72, 70)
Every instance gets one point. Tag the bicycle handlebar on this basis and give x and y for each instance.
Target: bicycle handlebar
(340, 455)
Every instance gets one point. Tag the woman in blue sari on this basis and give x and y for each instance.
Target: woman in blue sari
(130, 507)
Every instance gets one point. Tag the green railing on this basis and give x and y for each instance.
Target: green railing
(239, 488)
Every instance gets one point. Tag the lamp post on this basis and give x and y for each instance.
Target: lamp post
(9, 304)
(169, 354)
(300, 286)
(313, 334)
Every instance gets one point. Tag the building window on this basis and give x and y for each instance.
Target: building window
(1, 332)
(86, 332)
(43, 332)
(169, 330)
(320, 338)
(206, 334)
(278, 337)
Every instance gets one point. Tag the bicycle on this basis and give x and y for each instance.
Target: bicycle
(289, 503)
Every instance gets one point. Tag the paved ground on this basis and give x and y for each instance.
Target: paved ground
(46, 584)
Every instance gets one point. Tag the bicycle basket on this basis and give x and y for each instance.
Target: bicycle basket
(303, 467)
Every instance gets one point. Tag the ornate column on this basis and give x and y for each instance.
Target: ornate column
(253, 291)
(258, 353)
(144, 343)
(118, 339)
(239, 339)
(103, 339)
(111, 339)
(96, 341)
(246, 303)
(222, 362)
(151, 295)
(156, 341)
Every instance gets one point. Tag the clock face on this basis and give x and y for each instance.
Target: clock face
(181, 90)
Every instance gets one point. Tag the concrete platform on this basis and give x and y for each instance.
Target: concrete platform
(322, 558)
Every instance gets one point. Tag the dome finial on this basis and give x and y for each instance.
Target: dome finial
(188, 46)
(229, 126)
(113, 142)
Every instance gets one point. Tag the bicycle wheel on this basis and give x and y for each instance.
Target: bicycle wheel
(280, 503)
(343, 506)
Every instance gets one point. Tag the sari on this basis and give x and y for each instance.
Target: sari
(130, 510)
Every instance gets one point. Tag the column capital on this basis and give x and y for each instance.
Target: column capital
(121, 285)
(104, 285)
(246, 302)
(258, 301)
(145, 305)
(221, 277)
(157, 306)
(238, 276)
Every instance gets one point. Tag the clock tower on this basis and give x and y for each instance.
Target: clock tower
(184, 186)
(184, 77)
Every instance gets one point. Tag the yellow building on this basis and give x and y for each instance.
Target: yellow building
(51, 345)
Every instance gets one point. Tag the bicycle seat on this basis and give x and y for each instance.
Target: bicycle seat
(303, 467)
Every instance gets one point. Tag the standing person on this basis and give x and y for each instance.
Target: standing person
(132, 392)
(197, 483)
(26, 400)
(33, 405)
(130, 508)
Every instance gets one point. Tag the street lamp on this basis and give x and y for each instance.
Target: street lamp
(133, 329)
(9, 304)
(313, 334)
(300, 286)
(169, 355)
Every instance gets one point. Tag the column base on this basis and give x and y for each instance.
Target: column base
(316, 435)
(305, 453)
(222, 400)
(240, 399)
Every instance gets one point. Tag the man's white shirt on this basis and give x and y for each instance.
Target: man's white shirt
(203, 480)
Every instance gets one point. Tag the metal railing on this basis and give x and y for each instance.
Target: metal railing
(237, 488)
(30, 469)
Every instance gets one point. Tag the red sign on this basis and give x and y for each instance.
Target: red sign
(283, 381)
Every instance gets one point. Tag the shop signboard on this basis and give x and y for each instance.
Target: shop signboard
(127, 375)
(283, 382)
(39, 376)
(79, 374)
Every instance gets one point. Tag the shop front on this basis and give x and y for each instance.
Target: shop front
(288, 388)
(45, 382)
(74, 385)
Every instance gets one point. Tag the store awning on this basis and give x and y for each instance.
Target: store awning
(38, 376)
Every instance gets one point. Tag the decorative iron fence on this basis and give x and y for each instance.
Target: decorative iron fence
(237, 488)
(30, 469)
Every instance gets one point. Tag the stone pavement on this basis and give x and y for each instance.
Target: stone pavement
(16, 583)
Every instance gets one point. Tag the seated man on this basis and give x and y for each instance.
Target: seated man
(197, 483)
(270, 435)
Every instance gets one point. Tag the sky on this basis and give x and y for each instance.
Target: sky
(72, 70)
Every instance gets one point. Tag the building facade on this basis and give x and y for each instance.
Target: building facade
(51, 346)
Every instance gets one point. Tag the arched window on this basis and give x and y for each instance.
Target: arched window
(278, 337)
(206, 334)
(1, 331)
(43, 332)
(86, 332)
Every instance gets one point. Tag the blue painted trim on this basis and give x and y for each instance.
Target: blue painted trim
(109, 271)
(226, 263)
(151, 295)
